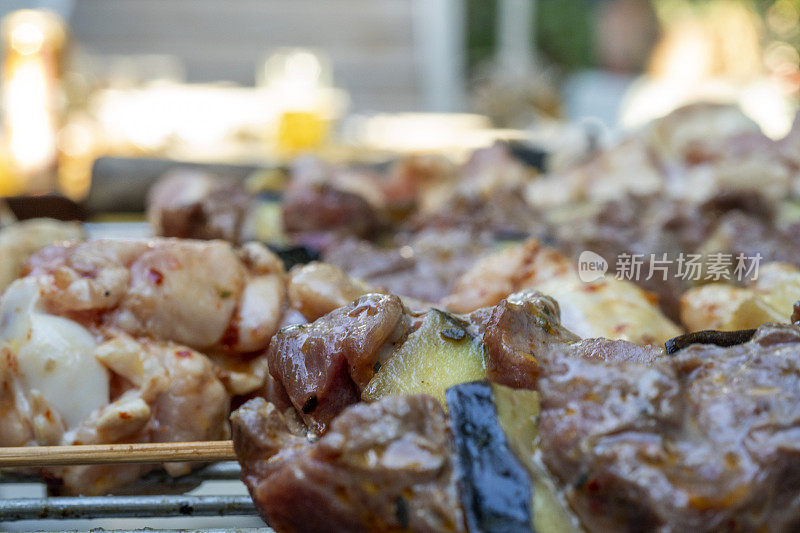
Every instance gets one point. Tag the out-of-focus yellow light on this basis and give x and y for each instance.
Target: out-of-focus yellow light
(30, 124)
(33, 43)
(75, 140)
(685, 56)
(300, 130)
(27, 38)
(78, 148)
(296, 78)
(11, 183)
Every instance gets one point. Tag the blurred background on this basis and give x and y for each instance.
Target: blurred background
(261, 81)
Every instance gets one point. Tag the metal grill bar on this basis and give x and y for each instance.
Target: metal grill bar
(124, 507)
(203, 530)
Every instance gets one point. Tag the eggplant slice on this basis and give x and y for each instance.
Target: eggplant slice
(718, 338)
(495, 488)
(294, 255)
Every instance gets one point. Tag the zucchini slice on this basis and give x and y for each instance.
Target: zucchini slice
(503, 483)
(518, 415)
(495, 488)
(438, 355)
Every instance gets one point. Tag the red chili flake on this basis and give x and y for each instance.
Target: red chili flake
(593, 485)
(183, 353)
(231, 336)
(11, 362)
(154, 276)
(125, 416)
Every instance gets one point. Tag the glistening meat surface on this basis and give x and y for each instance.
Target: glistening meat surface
(385, 466)
(323, 366)
(706, 440)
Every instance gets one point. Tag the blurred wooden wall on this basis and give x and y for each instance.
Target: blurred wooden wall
(371, 43)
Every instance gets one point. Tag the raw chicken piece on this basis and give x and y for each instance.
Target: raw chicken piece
(697, 133)
(122, 322)
(206, 295)
(614, 173)
(316, 289)
(768, 298)
(505, 272)
(131, 389)
(608, 307)
(20, 240)
(46, 358)
(176, 397)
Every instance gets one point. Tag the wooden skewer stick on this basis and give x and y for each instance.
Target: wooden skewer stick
(162, 452)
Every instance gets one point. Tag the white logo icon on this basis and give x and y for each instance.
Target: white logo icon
(591, 266)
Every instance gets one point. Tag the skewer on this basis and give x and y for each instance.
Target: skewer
(162, 452)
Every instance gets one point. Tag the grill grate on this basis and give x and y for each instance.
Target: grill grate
(123, 507)
(156, 503)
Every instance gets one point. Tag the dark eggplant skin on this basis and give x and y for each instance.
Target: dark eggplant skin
(532, 156)
(495, 488)
(718, 338)
(294, 255)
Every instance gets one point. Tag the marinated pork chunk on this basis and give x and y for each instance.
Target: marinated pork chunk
(737, 233)
(704, 440)
(637, 225)
(730, 222)
(421, 265)
(323, 366)
(195, 205)
(386, 466)
(446, 235)
(519, 329)
(487, 197)
(322, 199)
